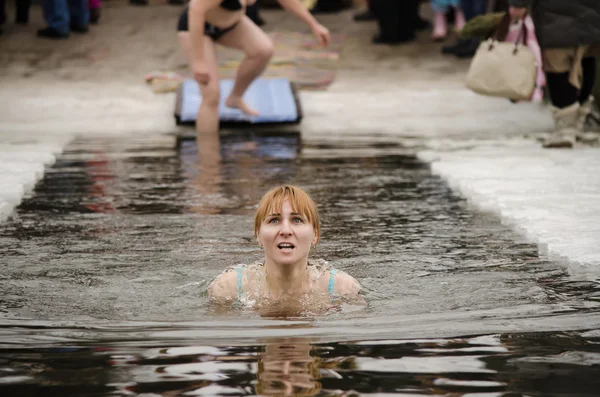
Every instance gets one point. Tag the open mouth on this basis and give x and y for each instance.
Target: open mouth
(286, 246)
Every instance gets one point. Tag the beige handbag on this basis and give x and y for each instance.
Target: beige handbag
(502, 69)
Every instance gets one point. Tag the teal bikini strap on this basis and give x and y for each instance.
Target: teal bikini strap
(240, 271)
(331, 281)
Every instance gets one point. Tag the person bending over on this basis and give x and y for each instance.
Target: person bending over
(206, 22)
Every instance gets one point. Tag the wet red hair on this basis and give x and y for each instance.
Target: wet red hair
(301, 202)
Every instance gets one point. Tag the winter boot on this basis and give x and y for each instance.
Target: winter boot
(565, 123)
(588, 127)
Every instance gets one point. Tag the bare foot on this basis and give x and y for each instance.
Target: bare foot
(239, 103)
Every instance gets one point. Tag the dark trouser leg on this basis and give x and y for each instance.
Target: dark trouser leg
(396, 20)
(589, 79)
(409, 14)
(388, 17)
(79, 14)
(562, 93)
(22, 11)
(56, 14)
(473, 8)
(2, 12)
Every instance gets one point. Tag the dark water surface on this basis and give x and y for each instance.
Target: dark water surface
(104, 271)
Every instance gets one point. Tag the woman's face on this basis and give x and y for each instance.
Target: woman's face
(286, 238)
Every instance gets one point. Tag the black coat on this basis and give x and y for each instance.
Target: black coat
(564, 23)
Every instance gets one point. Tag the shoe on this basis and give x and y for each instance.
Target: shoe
(51, 33)
(380, 39)
(79, 29)
(565, 127)
(94, 15)
(365, 16)
(588, 125)
(468, 50)
(451, 49)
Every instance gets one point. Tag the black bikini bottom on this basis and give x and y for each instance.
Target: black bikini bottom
(209, 30)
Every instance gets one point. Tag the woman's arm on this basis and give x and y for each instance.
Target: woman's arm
(296, 8)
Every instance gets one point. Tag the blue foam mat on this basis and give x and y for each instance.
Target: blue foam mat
(274, 99)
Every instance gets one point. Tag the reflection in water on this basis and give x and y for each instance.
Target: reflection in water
(287, 368)
(229, 173)
(207, 180)
(534, 364)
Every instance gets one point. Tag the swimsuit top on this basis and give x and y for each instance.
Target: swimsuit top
(330, 286)
(231, 5)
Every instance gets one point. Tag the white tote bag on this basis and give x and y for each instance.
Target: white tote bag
(502, 69)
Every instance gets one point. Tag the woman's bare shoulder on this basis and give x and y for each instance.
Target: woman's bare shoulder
(225, 285)
(345, 284)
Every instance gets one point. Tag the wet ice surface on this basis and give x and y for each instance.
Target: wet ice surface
(106, 263)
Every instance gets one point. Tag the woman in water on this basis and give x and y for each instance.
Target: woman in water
(286, 225)
(225, 22)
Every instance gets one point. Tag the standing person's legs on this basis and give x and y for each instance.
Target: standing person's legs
(258, 48)
(79, 15)
(585, 103)
(367, 15)
(22, 6)
(562, 93)
(56, 15)
(440, 28)
(589, 79)
(94, 6)
(473, 8)
(559, 65)
(2, 12)
(409, 18)
(207, 121)
(388, 16)
(464, 48)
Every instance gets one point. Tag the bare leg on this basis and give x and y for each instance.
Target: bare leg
(207, 121)
(258, 48)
